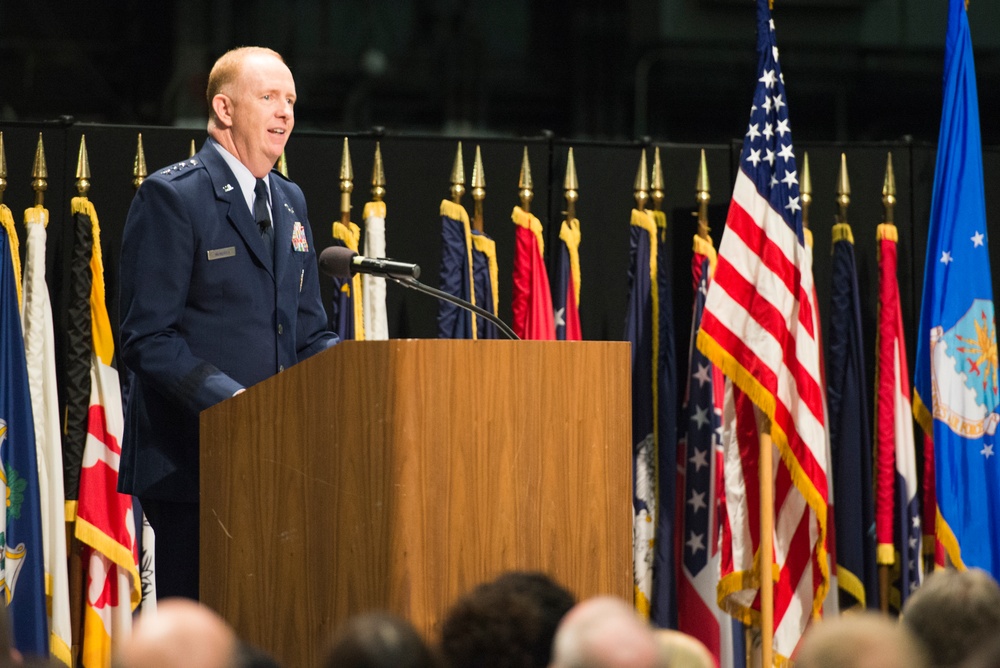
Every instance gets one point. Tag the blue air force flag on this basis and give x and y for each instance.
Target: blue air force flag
(956, 371)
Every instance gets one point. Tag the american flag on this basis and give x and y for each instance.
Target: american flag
(701, 507)
(759, 328)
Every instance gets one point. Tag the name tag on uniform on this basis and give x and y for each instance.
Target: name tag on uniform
(299, 242)
(220, 253)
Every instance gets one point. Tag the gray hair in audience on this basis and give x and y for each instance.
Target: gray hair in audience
(859, 640)
(954, 613)
(604, 632)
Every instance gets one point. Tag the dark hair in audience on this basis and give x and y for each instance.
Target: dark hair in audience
(987, 656)
(249, 656)
(509, 622)
(378, 640)
(954, 613)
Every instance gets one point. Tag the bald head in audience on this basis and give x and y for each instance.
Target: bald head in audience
(954, 613)
(181, 634)
(604, 632)
(859, 640)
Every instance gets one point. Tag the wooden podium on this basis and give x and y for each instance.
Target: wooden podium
(396, 475)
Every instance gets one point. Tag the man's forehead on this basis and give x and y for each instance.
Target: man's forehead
(269, 74)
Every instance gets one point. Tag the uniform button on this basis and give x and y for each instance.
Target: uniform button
(279, 328)
(281, 367)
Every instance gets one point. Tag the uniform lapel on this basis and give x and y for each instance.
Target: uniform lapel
(232, 205)
(283, 216)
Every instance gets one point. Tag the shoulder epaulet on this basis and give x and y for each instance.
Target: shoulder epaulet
(179, 168)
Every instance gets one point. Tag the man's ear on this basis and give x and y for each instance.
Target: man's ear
(222, 105)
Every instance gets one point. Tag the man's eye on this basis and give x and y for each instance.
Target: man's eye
(267, 97)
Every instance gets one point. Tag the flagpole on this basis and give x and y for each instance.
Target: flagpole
(478, 191)
(704, 196)
(766, 545)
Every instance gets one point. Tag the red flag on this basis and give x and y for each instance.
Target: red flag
(531, 300)
(897, 528)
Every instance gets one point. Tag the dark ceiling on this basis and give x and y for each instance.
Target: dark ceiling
(675, 70)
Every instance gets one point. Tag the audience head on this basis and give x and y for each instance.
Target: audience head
(679, 650)
(378, 640)
(181, 634)
(9, 656)
(509, 621)
(953, 614)
(604, 632)
(862, 640)
(987, 656)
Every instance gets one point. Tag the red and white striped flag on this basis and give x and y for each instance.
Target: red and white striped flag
(759, 327)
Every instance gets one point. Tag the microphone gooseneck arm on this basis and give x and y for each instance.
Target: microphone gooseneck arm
(410, 282)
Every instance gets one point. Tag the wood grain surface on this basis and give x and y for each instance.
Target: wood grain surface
(396, 475)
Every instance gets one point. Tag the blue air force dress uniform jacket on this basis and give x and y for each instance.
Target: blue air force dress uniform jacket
(205, 312)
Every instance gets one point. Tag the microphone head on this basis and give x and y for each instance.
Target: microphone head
(335, 261)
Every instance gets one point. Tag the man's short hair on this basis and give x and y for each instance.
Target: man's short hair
(860, 640)
(509, 621)
(953, 614)
(378, 640)
(226, 70)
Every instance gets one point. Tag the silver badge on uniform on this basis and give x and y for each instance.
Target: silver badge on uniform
(219, 253)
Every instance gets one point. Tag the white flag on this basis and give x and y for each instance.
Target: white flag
(376, 325)
(39, 349)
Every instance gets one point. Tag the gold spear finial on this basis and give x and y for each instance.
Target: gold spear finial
(139, 172)
(806, 190)
(39, 173)
(478, 191)
(346, 184)
(193, 150)
(889, 190)
(571, 186)
(378, 175)
(641, 187)
(3, 168)
(83, 168)
(458, 177)
(703, 197)
(656, 185)
(843, 190)
(525, 185)
(282, 165)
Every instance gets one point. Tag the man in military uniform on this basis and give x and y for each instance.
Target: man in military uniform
(219, 290)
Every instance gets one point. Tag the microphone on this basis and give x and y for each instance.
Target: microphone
(341, 262)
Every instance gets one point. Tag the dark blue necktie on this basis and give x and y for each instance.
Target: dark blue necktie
(263, 217)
